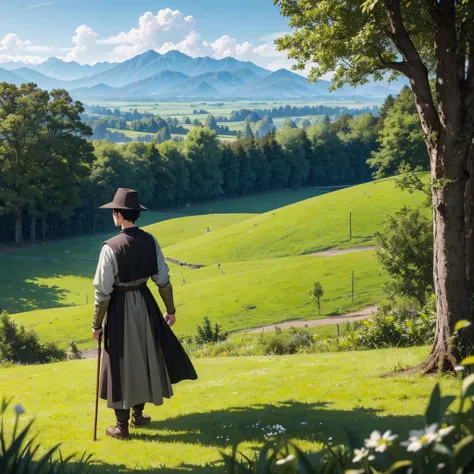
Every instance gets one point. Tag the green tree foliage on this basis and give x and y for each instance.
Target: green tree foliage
(19, 345)
(211, 122)
(288, 123)
(431, 43)
(253, 117)
(280, 171)
(209, 334)
(405, 250)
(316, 293)
(162, 135)
(305, 123)
(43, 155)
(171, 175)
(203, 154)
(400, 137)
(291, 141)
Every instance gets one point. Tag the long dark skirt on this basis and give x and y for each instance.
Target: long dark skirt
(142, 357)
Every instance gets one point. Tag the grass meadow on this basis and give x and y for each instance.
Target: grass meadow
(235, 400)
(250, 294)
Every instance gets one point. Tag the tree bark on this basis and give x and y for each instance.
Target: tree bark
(450, 275)
(33, 229)
(18, 227)
(469, 211)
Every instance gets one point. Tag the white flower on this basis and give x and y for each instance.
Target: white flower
(19, 410)
(286, 460)
(361, 454)
(443, 432)
(380, 442)
(421, 438)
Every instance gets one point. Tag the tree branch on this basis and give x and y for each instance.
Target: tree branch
(414, 69)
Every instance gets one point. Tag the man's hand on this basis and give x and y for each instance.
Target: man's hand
(97, 333)
(170, 319)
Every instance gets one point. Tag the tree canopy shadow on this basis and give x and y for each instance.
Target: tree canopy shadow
(314, 422)
(21, 292)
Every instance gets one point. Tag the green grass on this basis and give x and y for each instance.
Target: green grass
(250, 294)
(234, 400)
(310, 226)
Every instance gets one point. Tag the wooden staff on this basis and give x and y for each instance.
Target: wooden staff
(99, 347)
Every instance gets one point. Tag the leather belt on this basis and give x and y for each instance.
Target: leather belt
(126, 289)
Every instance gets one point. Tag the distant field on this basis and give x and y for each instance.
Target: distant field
(131, 133)
(179, 109)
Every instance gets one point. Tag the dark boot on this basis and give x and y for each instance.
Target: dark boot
(138, 418)
(120, 430)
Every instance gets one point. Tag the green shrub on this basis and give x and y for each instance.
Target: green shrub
(19, 345)
(207, 333)
(397, 324)
(279, 343)
(405, 250)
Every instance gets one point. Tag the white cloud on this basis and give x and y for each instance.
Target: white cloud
(86, 48)
(193, 45)
(6, 58)
(38, 5)
(227, 46)
(155, 30)
(13, 48)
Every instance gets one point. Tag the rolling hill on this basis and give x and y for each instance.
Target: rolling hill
(248, 294)
(313, 225)
(264, 273)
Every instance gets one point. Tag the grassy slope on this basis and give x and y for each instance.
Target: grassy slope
(250, 294)
(234, 400)
(315, 224)
(172, 232)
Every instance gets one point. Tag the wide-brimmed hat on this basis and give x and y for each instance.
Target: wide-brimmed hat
(125, 199)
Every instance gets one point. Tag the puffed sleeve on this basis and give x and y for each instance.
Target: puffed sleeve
(105, 274)
(162, 280)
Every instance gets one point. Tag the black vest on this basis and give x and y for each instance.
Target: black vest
(135, 251)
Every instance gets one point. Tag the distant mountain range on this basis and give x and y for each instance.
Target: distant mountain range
(175, 75)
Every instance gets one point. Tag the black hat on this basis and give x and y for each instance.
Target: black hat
(125, 199)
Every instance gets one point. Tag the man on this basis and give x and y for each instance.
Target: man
(142, 357)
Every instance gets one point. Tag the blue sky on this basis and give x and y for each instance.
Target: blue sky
(94, 30)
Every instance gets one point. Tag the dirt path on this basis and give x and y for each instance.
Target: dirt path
(302, 323)
(331, 253)
(297, 323)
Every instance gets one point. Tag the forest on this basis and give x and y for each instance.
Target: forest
(55, 175)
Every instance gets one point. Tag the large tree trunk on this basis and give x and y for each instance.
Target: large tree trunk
(450, 275)
(18, 227)
(469, 210)
(33, 229)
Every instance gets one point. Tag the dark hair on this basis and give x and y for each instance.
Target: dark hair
(129, 214)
